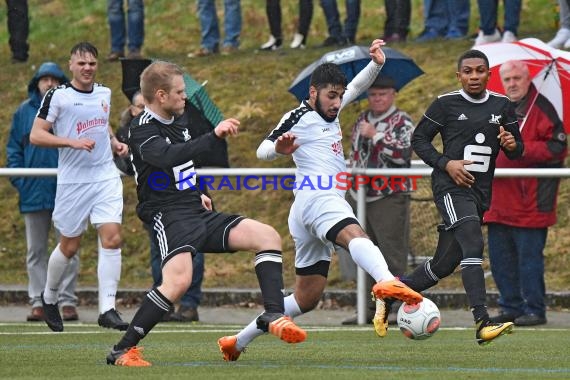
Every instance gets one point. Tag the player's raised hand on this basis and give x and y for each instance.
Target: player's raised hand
(376, 53)
(506, 139)
(285, 143)
(228, 127)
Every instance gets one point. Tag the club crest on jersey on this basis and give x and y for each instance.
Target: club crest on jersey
(105, 106)
(495, 119)
(337, 147)
(186, 134)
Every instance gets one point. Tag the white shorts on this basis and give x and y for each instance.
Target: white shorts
(76, 203)
(310, 218)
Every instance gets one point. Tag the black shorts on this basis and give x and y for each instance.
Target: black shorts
(456, 209)
(185, 230)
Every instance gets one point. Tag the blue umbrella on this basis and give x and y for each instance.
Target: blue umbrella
(352, 60)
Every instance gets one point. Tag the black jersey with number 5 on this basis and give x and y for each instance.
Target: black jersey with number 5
(469, 129)
(162, 155)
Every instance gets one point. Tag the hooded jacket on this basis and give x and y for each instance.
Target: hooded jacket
(36, 193)
(531, 202)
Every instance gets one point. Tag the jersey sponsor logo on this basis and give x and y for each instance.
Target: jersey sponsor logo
(495, 119)
(479, 154)
(326, 129)
(462, 117)
(78, 104)
(82, 126)
(185, 174)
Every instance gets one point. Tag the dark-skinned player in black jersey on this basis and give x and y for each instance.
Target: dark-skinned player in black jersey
(474, 125)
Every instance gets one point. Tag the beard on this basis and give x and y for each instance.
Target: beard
(321, 112)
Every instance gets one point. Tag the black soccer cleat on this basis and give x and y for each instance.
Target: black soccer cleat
(112, 320)
(52, 316)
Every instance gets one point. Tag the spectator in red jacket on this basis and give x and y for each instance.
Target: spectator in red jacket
(522, 209)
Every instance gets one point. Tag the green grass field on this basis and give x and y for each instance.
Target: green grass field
(190, 351)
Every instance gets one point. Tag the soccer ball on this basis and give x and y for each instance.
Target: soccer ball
(419, 321)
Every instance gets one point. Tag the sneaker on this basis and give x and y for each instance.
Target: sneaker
(509, 36)
(185, 314)
(488, 331)
(560, 38)
(333, 41)
(428, 35)
(202, 52)
(272, 44)
(134, 54)
(69, 313)
(394, 38)
(380, 319)
(282, 327)
(112, 320)
(530, 320)
(228, 348)
(129, 357)
(229, 49)
(298, 41)
(52, 316)
(487, 39)
(396, 289)
(114, 56)
(454, 34)
(36, 315)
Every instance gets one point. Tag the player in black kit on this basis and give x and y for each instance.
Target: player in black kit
(182, 218)
(474, 124)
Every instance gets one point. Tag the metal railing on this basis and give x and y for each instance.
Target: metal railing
(418, 169)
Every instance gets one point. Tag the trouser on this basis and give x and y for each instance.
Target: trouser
(38, 225)
(18, 28)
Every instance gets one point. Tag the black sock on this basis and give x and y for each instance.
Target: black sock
(269, 270)
(421, 278)
(474, 283)
(151, 311)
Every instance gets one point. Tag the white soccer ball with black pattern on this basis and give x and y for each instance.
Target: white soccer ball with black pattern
(419, 321)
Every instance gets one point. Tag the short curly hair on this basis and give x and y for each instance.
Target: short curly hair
(328, 73)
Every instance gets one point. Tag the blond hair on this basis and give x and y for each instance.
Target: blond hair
(158, 76)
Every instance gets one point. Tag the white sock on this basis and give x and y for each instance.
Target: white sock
(250, 332)
(57, 265)
(368, 256)
(109, 274)
(292, 308)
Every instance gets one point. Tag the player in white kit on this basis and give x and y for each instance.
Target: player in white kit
(320, 217)
(74, 118)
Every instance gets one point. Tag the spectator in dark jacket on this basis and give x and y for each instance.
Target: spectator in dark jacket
(37, 194)
(522, 209)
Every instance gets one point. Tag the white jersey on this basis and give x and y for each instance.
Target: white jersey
(77, 114)
(320, 157)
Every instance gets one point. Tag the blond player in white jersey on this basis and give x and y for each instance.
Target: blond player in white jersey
(89, 187)
(320, 217)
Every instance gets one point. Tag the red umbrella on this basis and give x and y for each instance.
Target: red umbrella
(549, 68)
